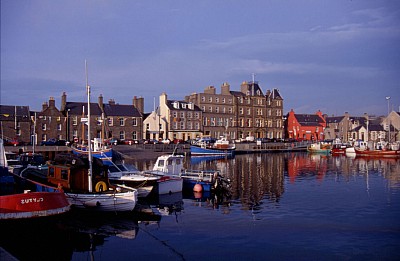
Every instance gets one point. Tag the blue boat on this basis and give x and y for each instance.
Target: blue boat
(210, 146)
(172, 165)
(99, 151)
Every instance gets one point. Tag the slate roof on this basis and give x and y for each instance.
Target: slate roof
(308, 119)
(121, 110)
(75, 108)
(7, 112)
(183, 105)
(237, 94)
(275, 94)
(334, 119)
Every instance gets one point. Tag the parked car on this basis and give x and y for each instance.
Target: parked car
(49, 142)
(129, 142)
(62, 143)
(166, 141)
(151, 141)
(111, 141)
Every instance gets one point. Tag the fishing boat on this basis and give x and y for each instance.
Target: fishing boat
(380, 150)
(338, 147)
(210, 146)
(98, 150)
(120, 174)
(24, 199)
(172, 166)
(319, 147)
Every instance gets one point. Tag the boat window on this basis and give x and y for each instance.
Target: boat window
(122, 167)
(113, 169)
(64, 174)
(169, 162)
(161, 163)
(51, 172)
(178, 162)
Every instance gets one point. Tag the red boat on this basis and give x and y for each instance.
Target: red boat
(384, 153)
(22, 198)
(29, 199)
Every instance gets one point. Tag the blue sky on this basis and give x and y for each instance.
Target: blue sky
(334, 56)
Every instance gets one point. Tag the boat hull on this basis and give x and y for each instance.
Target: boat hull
(378, 153)
(197, 151)
(105, 201)
(168, 185)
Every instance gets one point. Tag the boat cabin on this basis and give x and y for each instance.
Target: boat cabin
(72, 174)
(169, 164)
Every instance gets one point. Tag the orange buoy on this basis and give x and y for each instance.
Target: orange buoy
(197, 195)
(198, 188)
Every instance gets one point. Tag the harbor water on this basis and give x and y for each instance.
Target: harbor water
(281, 206)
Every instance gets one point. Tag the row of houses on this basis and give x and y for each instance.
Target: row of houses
(248, 112)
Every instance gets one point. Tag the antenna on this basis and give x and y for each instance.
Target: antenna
(89, 137)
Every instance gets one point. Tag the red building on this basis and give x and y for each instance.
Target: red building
(305, 126)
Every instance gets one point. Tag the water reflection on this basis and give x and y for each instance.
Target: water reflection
(323, 198)
(261, 177)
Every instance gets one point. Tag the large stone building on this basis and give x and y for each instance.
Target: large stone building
(173, 119)
(110, 120)
(240, 114)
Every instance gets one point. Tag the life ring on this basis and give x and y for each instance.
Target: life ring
(100, 186)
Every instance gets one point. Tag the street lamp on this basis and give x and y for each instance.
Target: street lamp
(388, 100)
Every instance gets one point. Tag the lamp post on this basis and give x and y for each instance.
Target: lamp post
(388, 100)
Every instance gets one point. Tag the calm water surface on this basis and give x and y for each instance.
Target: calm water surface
(282, 207)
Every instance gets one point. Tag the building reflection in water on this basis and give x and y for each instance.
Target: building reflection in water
(256, 178)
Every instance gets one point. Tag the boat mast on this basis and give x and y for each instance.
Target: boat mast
(89, 138)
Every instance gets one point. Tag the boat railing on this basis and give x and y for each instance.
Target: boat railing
(200, 174)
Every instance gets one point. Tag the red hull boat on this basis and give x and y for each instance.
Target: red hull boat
(377, 153)
(45, 201)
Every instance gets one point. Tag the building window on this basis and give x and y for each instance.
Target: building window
(174, 125)
(230, 110)
(196, 115)
(122, 135)
(99, 121)
(220, 122)
(75, 133)
(216, 99)
(217, 109)
(223, 100)
(121, 121)
(44, 126)
(147, 126)
(189, 115)
(203, 108)
(59, 127)
(205, 121)
(230, 101)
(134, 122)
(248, 111)
(241, 111)
(110, 122)
(203, 98)
(209, 99)
(197, 125)
(75, 120)
(182, 114)
(182, 125)
(134, 135)
(18, 132)
(210, 109)
(44, 137)
(189, 125)
(174, 114)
